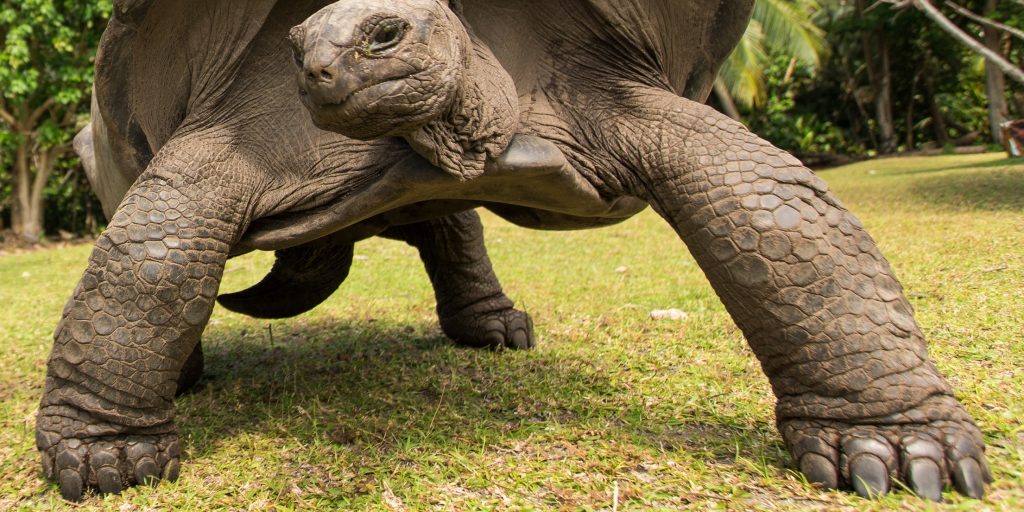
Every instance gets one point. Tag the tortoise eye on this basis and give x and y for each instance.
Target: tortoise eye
(387, 35)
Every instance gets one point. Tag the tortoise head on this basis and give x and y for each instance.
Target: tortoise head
(376, 68)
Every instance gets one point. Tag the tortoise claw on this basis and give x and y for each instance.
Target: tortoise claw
(172, 470)
(925, 479)
(869, 476)
(142, 456)
(866, 459)
(986, 471)
(70, 466)
(967, 478)
(103, 458)
(967, 473)
(922, 456)
(870, 459)
(508, 329)
(819, 470)
(71, 485)
(108, 480)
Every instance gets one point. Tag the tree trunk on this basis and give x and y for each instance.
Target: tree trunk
(995, 81)
(938, 121)
(1014, 72)
(910, 111)
(32, 231)
(28, 206)
(876, 58)
(90, 219)
(883, 98)
(20, 189)
(4, 205)
(15, 218)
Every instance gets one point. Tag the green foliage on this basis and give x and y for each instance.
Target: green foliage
(792, 118)
(71, 205)
(830, 108)
(46, 74)
(47, 52)
(781, 26)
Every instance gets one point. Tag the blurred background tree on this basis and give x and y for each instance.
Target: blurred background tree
(885, 79)
(776, 27)
(45, 83)
(993, 46)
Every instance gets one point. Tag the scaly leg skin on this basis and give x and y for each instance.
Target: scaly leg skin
(859, 403)
(472, 308)
(106, 416)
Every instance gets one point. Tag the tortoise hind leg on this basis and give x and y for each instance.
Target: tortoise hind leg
(472, 308)
(301, 279)
(191, 372)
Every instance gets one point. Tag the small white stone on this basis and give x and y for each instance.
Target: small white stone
(669, 314)
(622, 269)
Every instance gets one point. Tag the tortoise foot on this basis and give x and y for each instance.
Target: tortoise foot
(869, 457)
(106, 463)
(504, 329)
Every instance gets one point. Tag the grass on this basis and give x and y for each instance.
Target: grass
(363, 404)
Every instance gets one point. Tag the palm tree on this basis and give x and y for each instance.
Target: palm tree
(776, 25)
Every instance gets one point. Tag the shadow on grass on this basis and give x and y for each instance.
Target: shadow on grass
(932, 169)
(996, 190)
(392, 391)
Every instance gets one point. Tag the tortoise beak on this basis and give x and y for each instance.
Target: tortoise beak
(324, 78)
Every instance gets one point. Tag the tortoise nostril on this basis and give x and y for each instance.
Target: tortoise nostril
(318, 74)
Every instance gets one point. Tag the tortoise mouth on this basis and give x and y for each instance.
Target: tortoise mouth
(323, 99)
(361, 114)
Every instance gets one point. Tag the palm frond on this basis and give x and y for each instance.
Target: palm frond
(776, 25)
(743, 72)
(788, 27)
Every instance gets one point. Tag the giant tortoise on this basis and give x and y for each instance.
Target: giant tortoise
(203, 145)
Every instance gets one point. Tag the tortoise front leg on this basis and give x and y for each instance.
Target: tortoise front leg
(472, 308)
(107, 414)
(859, 402)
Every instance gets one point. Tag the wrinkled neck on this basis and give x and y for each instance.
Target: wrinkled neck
(478, 124)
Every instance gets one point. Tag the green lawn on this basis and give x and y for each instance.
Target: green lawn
(363, 404)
